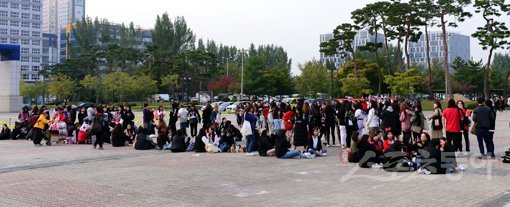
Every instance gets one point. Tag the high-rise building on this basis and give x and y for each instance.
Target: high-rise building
(20, 23)
(361, 39)
(458, 46)
(50, 50)
(58, 13)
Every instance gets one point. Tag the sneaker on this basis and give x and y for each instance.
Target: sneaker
(460, 168)
(419, 171)
(377, 165)
(426, 172)
(250, 154)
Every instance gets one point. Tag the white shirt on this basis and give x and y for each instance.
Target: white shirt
(359, 115)
(315, 142)
(183, 115)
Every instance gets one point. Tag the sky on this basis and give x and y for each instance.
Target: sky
(293, 24)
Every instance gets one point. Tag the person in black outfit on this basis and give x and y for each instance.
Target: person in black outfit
(365, 152)
(300, 130)
(143, 142)
(118, 137)
(206, 115)
(395, 159)
(178, 142)
(265, 147)
(199, 144)
(5, 133)
(128, 116)
(390, 119)
(174, 116)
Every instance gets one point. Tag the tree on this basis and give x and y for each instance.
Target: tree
(502, 62)
(119, 85)
(342, 43)
(32, 90)
(494, 34)
(144, 86)
(61, 86)
(94, 85)
(455, 10)
(312, 79)
(355, 86)
(468, 76)
(403, 84)
(172, 82)
(224, 84)
(427, 9)
(172, 36)
(369, 18)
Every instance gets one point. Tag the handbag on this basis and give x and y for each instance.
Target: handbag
(416, 129)
(437, 123)
(246, 128)
(473, 129)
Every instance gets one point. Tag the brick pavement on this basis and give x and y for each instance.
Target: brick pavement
(77, 175)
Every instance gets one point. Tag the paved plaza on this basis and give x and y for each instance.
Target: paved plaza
(77, 175)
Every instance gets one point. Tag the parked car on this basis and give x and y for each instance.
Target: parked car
(223, 106)
(232, 107)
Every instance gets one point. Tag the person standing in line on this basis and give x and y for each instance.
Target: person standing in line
(206, 115)
(360, 117)
(194, 119)
(174, 116)
(148, 116)
(465, 125)
(183, 119)
(373, 122)
(452, 119)
(250, 139)
(483, 117)
(436, 119)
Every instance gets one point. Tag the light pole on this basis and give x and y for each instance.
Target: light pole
(242, 74)
(227, 63)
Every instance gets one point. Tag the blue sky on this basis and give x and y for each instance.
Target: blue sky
(292, 24)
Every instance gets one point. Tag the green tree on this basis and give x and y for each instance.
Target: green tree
(342, 43)
(144, 86)
(494, 34)
(312, 79)
(403, 84)
(447, 10)
(468, 76)
(172, 36)
(61, 86)
(427, 9)
(94, 85)
(355, 86)
(502, 62)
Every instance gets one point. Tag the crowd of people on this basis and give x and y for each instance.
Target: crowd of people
(385, 133)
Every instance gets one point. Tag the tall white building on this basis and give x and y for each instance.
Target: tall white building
(361, 39)
(458, 46)
(20, 23)
(58, 13)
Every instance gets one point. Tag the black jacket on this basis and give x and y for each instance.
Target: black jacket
(178, 144)
(206, 116)
(282, 146)
(319, 144)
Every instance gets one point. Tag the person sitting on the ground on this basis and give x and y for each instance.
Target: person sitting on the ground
(200, 140)
(118, 137)
(366, 154)
(282, 147)
(178, 142)
(431, 162)
(448, 154)
(143, 141)
(227, 137)
(353, 156)
(377, 146)
(265, 147)
(395, 159)
(314, 145)
(5, 133)
(129, 132)
(163, 133)
(389, 139)
(423, 143)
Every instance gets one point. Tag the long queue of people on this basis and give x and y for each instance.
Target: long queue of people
(374, 133)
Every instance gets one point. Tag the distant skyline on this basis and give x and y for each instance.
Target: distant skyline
(293, 24)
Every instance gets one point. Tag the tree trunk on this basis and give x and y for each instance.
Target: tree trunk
(448, 89)
(399, 56)
(505, 92)
(486, 75)
(388, 60)
(377, 61)
(427, 53)
(406, 47)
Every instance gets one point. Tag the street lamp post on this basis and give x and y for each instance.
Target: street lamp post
(242, 74)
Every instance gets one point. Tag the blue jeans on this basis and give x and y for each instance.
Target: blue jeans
(224, 147)
(483, 135)
(291, 154)
(250, 143)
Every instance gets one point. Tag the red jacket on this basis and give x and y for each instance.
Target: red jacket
(288, 117)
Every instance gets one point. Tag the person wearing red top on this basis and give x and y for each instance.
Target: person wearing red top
(465, 128)
(388, 141)
(452, 118)
(288, 119)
